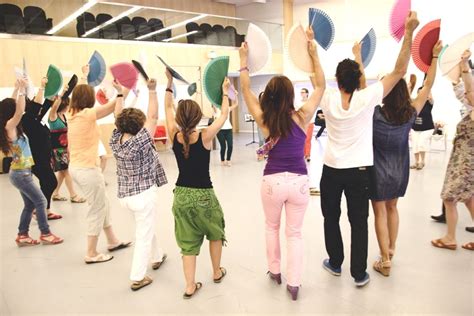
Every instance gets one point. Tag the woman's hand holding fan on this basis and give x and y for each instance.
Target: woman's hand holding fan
(243, 54)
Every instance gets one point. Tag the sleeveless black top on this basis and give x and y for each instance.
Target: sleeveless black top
(194, 171)
(424, 120)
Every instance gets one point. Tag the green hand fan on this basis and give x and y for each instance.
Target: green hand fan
(214, 75)
(55, 82)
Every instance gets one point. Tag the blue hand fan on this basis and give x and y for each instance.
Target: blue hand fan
(323, 27)
(97, 69)
(368, 47)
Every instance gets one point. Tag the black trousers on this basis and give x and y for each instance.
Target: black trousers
(225, 136)
(354, 182)
(47, 180)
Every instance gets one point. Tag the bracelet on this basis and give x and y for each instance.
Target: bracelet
(244, 69)
(21, 94)
(120, 95)
(225, 95)
(465, 71)
(169, 90)
(435, 56)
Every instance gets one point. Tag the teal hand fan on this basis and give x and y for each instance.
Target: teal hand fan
(55, 82)
(192, 88)
(97, 69)
(213, 78)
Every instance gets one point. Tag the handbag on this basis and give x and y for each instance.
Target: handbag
(262, 151)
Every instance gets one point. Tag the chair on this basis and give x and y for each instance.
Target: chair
(84, 26)
(157, 24)
(138, 20)
(219, 30)
(230, 36)
(124, 20)
(240, 38)
(206, 30)
(86, 16)
(437, 138)
(127, 32)
(101, 18)
(36, 21)
(109, 32)
(191, 26)
(11, 18)
(144, 29)
(160, 134)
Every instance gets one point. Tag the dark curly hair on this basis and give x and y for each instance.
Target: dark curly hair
(348, 75)
(397, 107)
(130, 121)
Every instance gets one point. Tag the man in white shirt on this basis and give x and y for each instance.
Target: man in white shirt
(349, 154)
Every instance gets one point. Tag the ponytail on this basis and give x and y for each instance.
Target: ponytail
(188, 116)
(186, 134)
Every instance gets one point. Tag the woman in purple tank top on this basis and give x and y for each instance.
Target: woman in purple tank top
(285, 180)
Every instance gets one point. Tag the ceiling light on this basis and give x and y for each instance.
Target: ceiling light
(118, 17)
(71, 17)
(172, 26)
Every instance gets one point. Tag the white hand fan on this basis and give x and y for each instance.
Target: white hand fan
(260, 49)
(452, 54)
(297, 48)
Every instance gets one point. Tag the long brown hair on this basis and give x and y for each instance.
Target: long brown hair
(83, 96)
(277, 104)
(397, 108)
(188, 116)
(7, 110)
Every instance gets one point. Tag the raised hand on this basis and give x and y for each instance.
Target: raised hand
(168, 75)
(44, 81)
(466, 55)
(151, 84)
(310, 33)
(244, 51)
(117, 86)
(437, 48)
(225, 85)
(85, 70)
(311, 48)
(411, 22)
(357, 48)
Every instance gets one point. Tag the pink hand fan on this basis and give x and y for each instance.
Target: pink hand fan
(297, 48)
(260, 49)
(400, 11)
(126, 74)
(451, 56)
(425, 40)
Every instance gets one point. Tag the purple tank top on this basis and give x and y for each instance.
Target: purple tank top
(288, 154)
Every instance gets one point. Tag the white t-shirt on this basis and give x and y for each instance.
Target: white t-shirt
(350, 131)
(227, 124)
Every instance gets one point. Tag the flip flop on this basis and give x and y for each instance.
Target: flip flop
(77, 199)
(157, 265)
(223, 273)
(119, 246)
(187, 296)
(59, 198)
(140, 284)
(53, 216)
(440, 244)
(469, 246)
(98, 259)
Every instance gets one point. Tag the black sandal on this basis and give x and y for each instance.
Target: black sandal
(187, 296)
(223, 273)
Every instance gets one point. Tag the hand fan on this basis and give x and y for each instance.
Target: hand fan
(231, 94)
(101, 97)
(323, 27)
(175, 74)
(451, 55)
(126, 74)
(140, 69)
(368, 47)
(192, 88)
(71, 85)
(422, 47)
(214, 75)
(97, 69)
(30, 89)
(55, 82)
(400, 11)
(175, 91)
(297, 48)
(260, 49)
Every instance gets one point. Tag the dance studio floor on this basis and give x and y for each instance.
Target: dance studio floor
(53, 280)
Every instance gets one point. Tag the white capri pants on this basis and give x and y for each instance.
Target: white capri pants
(421, 140)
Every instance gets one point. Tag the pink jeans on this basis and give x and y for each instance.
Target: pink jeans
(289, 190)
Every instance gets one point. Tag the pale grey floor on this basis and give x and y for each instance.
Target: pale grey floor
(53, 280)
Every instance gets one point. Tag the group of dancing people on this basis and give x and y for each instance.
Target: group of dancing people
(367, 157)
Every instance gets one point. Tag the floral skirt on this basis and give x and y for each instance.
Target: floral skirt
(60, 159)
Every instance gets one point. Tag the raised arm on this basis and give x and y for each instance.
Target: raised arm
(235, 103)
(85, 72)
(12, 123)
(467, 77)
(357, 51)
(424, 93)
(210, 132)
(40, 95)
(249, 97)
(390, 80)
(112, 106)
(152, 114)
(317, 80)
(15, 89)
(53, 114)
(171, 126)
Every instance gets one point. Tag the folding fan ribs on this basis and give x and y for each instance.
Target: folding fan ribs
(400, 11)
(450, 56)
(140, 69)
(214, 75)
(297, 49)
(368, 47)
(422, 47)
(323, 27)
(55, 81)
(97, 69)
(126, 74)
(260, 49)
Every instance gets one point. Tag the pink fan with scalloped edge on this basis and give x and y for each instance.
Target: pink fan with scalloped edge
(422, 47)
(126, 74)
(400, 11)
